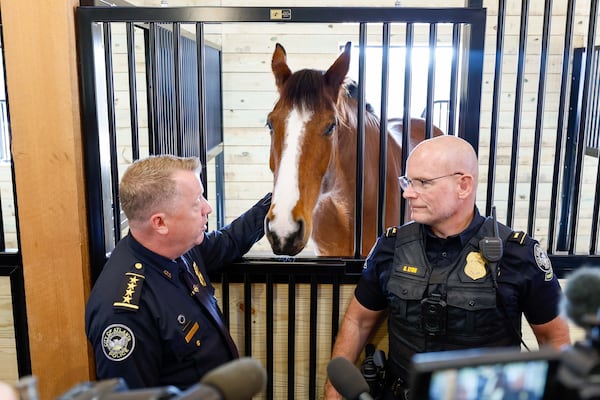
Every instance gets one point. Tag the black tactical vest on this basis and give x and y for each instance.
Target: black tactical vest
(432, 310)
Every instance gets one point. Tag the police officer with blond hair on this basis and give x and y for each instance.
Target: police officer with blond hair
(152, 317)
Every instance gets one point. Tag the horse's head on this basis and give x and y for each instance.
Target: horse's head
(303, 126)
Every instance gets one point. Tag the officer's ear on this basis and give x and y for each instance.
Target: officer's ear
(158, 223)
(466, 186)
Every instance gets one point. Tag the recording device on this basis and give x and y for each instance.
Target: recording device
(579, 372)
(347, 379)
(240, 379)
(373, 370)
(572, 373)
(491, 246)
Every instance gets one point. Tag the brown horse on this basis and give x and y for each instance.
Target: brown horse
(313, 158)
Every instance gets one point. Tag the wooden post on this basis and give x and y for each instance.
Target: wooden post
(43, 99)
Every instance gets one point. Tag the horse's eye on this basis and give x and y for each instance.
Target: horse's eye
(268, 125)
(330, 129)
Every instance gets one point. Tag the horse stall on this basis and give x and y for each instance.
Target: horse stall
(203, 81)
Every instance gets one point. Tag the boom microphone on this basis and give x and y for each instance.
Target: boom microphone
(347, 379)
(239, 379)
(582, 297)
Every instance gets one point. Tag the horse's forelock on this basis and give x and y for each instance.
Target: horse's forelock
(305, 89)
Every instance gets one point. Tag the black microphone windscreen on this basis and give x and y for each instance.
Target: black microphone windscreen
(239, 379)
(582, 297)
(347, 379)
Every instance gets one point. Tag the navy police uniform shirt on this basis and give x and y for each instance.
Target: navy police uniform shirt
(526, 282)
(143, 323)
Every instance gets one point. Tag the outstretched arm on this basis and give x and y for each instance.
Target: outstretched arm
(357, 325)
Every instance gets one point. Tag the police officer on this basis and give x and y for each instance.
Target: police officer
(432, 277)
(151, 317)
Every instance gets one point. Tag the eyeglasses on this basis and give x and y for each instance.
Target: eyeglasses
(421, 184)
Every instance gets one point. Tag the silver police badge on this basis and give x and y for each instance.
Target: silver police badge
(118, 342)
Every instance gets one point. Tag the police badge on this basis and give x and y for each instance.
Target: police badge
(475, 267)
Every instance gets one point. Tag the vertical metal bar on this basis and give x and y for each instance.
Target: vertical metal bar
(312, 345)
(178, 106)
(539, 117)
(514, 159)
(200, 57)
(270, 298)
(133, 109)
(247, 315)
(596, 210)
(430, 81)
(112, 131)
(559, 144)
(469, 120)
(383, 131)
(360, 142)
(406, 111)
(452, 111)
(153, 90)
(491, 179)
(291, 336)
(335, 308)
(589, 56)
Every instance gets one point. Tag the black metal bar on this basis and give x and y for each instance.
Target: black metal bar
(558, 146)
(514, 158)
(589, 51)
(313, 337)
(452, 111)
(112, 130)
(133, 101)
(270, 298)
(291, 336)
(226, 297)
(596, 208)
(280, 14)
(360, 143)
(539, 117)
(178, 120)
(406, 111)
(383, 131)
(335, 308)
(247, 316)
(430, 81)
(153, 90)
(491, 177)
(203, 135)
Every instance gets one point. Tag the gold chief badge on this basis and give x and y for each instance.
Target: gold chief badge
(475, 267)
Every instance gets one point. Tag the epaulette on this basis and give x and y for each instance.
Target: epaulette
(391, 231)
(131, 289)
(518, 237)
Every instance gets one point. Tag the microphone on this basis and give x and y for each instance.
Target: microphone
(239, 379)
(581, 300)
(347, 379)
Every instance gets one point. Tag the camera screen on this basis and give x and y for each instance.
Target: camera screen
(516, 380)
(490, 374)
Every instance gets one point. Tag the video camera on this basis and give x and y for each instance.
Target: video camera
(572, 373)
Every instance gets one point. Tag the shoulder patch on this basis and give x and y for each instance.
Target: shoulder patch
(391, 232)
(543, 262)
(131, 290)
(118, 342)
(517, 237)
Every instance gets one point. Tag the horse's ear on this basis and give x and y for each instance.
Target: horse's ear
(336, 74)
(279, 66)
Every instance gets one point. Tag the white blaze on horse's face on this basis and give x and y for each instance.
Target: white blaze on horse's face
(286, 192)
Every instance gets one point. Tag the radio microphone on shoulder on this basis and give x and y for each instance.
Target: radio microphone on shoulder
(347, 379)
